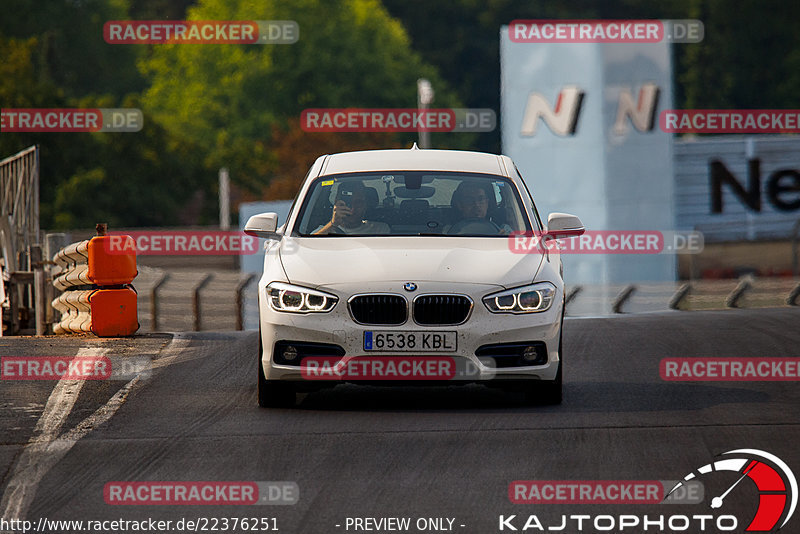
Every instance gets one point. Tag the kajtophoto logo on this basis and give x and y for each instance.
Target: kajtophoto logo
(765, 504)
(776, 484)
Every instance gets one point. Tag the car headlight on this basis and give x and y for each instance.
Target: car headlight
(526, 299)
(297, 299)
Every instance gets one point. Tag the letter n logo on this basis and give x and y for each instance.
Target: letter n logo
(562, 120)
(641, 113)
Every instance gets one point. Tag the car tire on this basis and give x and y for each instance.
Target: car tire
(550, 392)
(271, 393)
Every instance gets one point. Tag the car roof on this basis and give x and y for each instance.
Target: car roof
(414, 159)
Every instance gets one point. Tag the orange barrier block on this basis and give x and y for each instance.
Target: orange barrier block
(114, 312)
(109, 266)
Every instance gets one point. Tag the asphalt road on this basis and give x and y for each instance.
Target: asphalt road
(365, 452)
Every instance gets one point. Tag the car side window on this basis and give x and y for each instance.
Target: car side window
(533, 203)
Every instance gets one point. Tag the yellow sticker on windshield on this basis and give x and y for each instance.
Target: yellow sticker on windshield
(327, 182)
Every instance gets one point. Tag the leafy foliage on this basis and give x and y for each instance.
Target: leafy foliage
(233, 100)
(207, 106)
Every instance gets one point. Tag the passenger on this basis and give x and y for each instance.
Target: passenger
(472, 206)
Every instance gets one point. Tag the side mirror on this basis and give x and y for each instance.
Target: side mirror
(564, 225)
(263, 225)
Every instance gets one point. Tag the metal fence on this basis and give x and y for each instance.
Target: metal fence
(19, 206)
(21, 262)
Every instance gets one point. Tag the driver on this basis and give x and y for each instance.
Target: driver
(348, 213)
(471, 202)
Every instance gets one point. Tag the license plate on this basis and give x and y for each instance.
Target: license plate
(392, 341)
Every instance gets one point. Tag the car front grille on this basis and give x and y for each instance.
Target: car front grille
(379, 309)
(441, 309)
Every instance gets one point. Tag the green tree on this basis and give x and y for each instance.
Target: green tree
(228, 98)
(54, 56)
(72, 53)
(131, 179)
(748, 59)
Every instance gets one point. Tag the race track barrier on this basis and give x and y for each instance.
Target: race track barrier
(680, 294)
(98, 297)
(619, 301)
(745, 283)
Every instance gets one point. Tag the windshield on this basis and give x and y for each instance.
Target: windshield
(412, 204)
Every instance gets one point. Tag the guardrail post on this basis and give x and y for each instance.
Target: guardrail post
(791, 300)
(795, 232)
(573, 292)
(240, 300)
(622, 298)
(744, 284)
(679, 295)
(154, 302)
(196, 300)
(40, 303)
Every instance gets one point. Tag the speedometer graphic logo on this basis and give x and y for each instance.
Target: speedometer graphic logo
(775, 482)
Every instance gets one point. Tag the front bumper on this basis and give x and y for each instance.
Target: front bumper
(481, 328)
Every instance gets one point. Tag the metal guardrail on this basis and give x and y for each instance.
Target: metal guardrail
(791, 298)
(680, 294)
(795, 259)
(746, 292)
(196, 301)
(154, 301)
(228, 302)
(240, 288)
(733, 299)
(619, 302)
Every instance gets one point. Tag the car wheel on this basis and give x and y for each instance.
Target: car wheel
(271, 393)
(549, 392)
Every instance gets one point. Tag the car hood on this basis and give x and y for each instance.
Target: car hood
(324, 261)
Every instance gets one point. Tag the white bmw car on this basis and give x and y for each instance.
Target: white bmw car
(395, 267)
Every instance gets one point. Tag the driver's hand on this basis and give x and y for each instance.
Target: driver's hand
(340, 213)
(505, 230)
